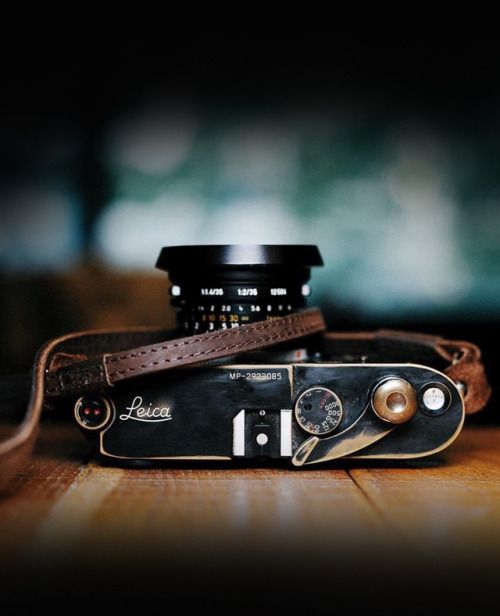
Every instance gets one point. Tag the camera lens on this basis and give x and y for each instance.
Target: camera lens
(218, 287)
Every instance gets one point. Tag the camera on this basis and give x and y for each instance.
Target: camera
(307, 398)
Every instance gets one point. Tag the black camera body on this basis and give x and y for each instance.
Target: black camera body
(301, 405)
(301, 412)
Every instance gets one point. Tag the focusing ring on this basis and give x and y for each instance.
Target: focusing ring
(216, 287)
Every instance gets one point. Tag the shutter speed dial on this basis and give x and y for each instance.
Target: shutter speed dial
(318, 411)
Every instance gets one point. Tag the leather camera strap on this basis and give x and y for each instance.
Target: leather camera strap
(111, 368)
(91, 361)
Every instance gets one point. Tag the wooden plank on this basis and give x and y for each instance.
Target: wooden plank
(67, 506)
(449, 505)
(64, 506)
(57, 460)
(388, 534)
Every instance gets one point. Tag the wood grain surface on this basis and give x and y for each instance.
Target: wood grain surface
(431, 524)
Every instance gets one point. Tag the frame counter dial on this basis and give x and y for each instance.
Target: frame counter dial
(318, 410)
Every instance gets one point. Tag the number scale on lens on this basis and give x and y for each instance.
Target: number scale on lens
(219, 287)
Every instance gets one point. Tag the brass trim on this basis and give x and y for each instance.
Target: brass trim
(299, 458)
(112, 455)
(387, 388)
(302, 452)
(414, 456)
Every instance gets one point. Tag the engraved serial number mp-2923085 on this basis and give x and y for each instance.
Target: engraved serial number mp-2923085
(304, 413)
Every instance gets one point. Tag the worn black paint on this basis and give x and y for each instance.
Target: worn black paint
(203, 401)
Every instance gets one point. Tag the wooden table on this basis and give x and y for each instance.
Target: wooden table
(347, 534)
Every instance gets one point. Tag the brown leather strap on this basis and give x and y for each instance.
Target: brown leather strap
(109, 368)
(467, 369)
(74, 373)
(15, 450)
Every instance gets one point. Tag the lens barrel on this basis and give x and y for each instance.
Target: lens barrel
(217, 287)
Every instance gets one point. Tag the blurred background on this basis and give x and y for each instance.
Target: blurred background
(385, 155)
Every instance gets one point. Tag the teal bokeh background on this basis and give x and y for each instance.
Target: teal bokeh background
(405, 209)
(385, 153)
